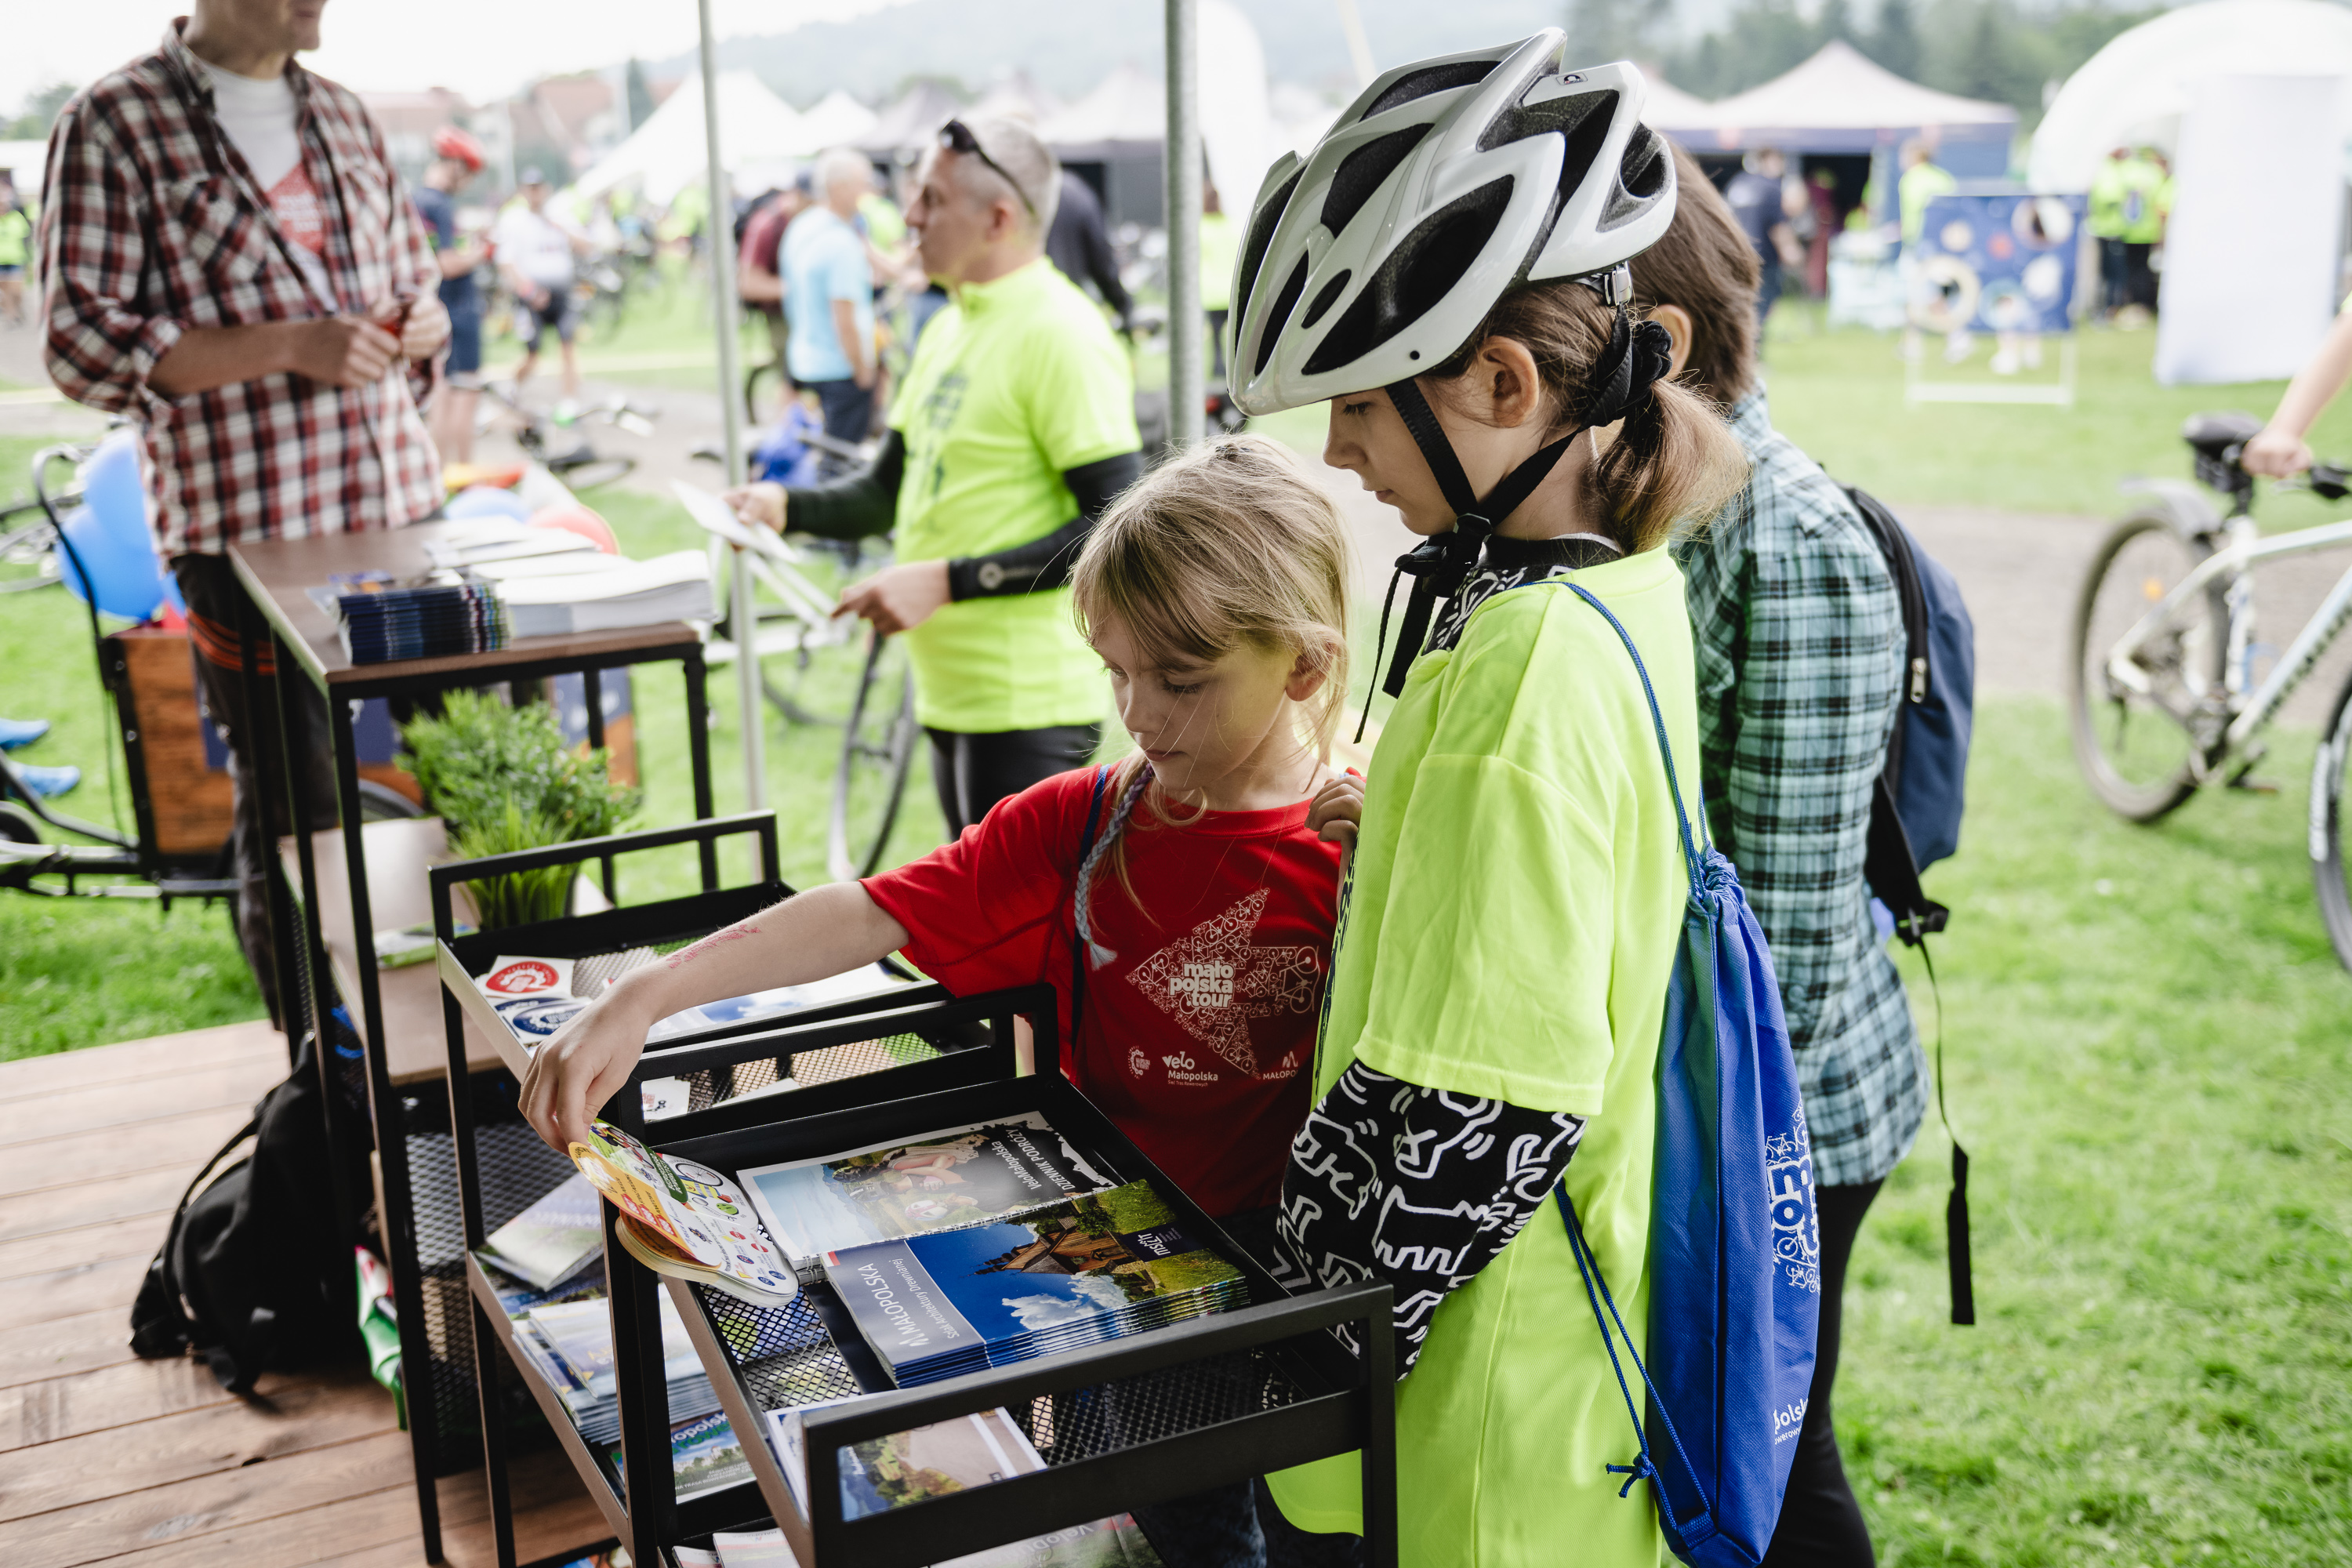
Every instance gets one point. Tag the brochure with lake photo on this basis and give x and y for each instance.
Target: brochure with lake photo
(964, 1175)
(1053, 1279)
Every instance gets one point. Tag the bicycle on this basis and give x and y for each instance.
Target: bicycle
(2164, 693)
(37, 839)
(795, 618)
(578, 465)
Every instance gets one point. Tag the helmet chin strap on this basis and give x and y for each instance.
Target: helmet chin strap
(1637, 357)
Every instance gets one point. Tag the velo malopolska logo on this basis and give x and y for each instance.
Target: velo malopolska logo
(1796, 1227)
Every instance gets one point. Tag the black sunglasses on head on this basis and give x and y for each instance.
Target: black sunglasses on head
(957, 137)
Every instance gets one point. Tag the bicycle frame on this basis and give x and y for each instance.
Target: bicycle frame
(2245, 547)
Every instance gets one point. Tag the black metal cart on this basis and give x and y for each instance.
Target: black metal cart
(418, 1186)
(1135, 1421)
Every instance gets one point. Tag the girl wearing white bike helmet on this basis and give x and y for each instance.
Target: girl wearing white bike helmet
(1446, 270)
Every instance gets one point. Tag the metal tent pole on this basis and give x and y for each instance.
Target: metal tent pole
(1184, 167)
(741, 620)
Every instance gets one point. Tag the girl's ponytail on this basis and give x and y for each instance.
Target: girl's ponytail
(1672, 459)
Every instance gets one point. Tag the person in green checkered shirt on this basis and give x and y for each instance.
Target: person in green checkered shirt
(1797, 643)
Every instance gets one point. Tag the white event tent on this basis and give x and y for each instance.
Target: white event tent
(2136, 90)
(1840, 101)
(837, 120)
(671, 149)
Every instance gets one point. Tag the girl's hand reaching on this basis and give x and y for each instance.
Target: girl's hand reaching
(825, 931)
(580, 1066)
(1338, 810)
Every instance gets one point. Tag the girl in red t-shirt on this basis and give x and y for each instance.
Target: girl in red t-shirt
(1216, 592)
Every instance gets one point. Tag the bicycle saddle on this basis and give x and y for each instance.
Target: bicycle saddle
(2214, 434)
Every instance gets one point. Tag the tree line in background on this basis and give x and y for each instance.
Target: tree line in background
(40, 110)
(1992, 49)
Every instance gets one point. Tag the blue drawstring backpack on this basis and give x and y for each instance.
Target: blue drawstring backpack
(1735, 1246)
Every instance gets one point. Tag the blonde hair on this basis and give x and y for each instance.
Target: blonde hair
(1228, 545)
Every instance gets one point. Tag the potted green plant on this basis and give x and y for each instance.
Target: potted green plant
(502, 779)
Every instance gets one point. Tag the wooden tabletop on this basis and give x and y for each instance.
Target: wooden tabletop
(278, 575)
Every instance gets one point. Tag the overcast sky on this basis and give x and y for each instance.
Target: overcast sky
(483, 48)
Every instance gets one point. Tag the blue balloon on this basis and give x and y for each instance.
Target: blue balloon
(486, 500)
(110, 536)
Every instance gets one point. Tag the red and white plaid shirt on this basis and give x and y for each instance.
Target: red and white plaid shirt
(152, 224)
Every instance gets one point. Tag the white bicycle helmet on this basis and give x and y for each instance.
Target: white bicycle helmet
(1446, 184)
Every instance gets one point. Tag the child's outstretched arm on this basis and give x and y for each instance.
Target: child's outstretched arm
(807, 936)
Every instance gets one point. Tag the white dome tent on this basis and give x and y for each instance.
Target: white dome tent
(672, 148)
(2134, 90)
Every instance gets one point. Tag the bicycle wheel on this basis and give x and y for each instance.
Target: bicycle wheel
(765, 393)
(2327, 866)
(2136, 734)
(875, 755)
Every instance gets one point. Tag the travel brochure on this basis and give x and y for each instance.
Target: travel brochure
(566, 1336)
(881, 1193)
(684, 1219)
(919, 1464)
(534, 997)
(1053, 1279)
(1114, 1543)
(972, 1247)
(554, 1239)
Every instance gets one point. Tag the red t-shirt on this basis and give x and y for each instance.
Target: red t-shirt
(1197, 1036)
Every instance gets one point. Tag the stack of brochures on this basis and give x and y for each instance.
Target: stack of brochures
(617, 594)
(387, 623)
(537, 996)
(871, 980)
(959, 1175)
(1050, 1278)
(566, 1334)
(758, 1241)
(554, 1239)
(949, 1457)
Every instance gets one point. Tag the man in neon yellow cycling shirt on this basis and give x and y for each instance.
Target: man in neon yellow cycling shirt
(1012, 431)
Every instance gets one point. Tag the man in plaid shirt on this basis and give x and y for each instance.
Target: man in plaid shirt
(1799, 643)
(228, 258)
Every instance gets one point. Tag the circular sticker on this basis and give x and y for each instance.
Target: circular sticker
(540, 1019)
(524, 977)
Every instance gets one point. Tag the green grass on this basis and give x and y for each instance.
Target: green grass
(1839, 396)
(87, 971)
(77, 971)
(2146, 1045)
(2145, 1029)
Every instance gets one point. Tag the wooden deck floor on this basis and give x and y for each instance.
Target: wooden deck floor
(107, 1459)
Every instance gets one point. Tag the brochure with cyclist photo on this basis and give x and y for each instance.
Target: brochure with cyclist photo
(684, 1219)
(964, 1175)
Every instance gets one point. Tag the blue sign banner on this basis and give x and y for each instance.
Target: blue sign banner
(1998, 264)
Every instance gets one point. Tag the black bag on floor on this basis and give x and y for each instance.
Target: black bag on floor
(256, 1275)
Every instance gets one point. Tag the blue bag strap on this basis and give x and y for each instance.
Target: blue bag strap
(1077, 942)
(1658, 721)
(1588, 1264)
(1588, 1269)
